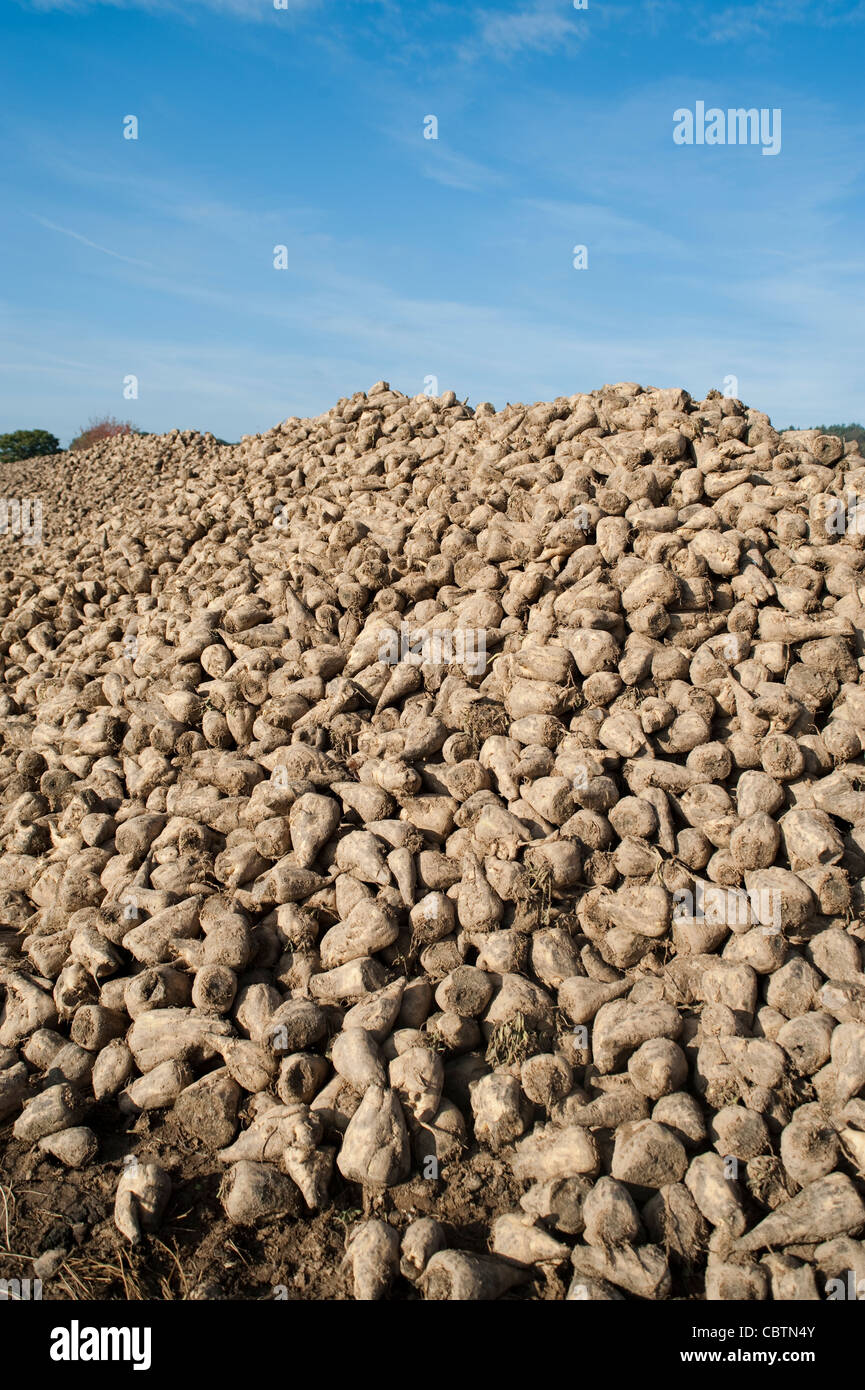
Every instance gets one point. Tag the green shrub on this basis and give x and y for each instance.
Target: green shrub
(27, 444)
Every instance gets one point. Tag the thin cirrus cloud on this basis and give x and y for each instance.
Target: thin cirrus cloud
(446, 165)
(618, 234)
(545, 27)
(85, 241)
(744, 21)
(458, 171)
(232, 9)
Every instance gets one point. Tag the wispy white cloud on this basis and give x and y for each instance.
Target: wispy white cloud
(85, 241)
(235, 9)
(456, 170)
(608, 230)
(749, 21)
(545, 27)
(438, 160)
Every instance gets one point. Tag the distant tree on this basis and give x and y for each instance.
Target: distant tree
(27, 444)
(105, 428)
(845, 432)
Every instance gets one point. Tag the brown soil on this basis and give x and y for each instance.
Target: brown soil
(198, 1253)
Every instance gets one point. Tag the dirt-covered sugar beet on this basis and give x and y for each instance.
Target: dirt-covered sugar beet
(431, 855)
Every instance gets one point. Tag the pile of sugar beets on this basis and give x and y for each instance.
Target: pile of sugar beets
(416, 781)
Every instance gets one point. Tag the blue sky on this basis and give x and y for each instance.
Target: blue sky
(411, 258)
